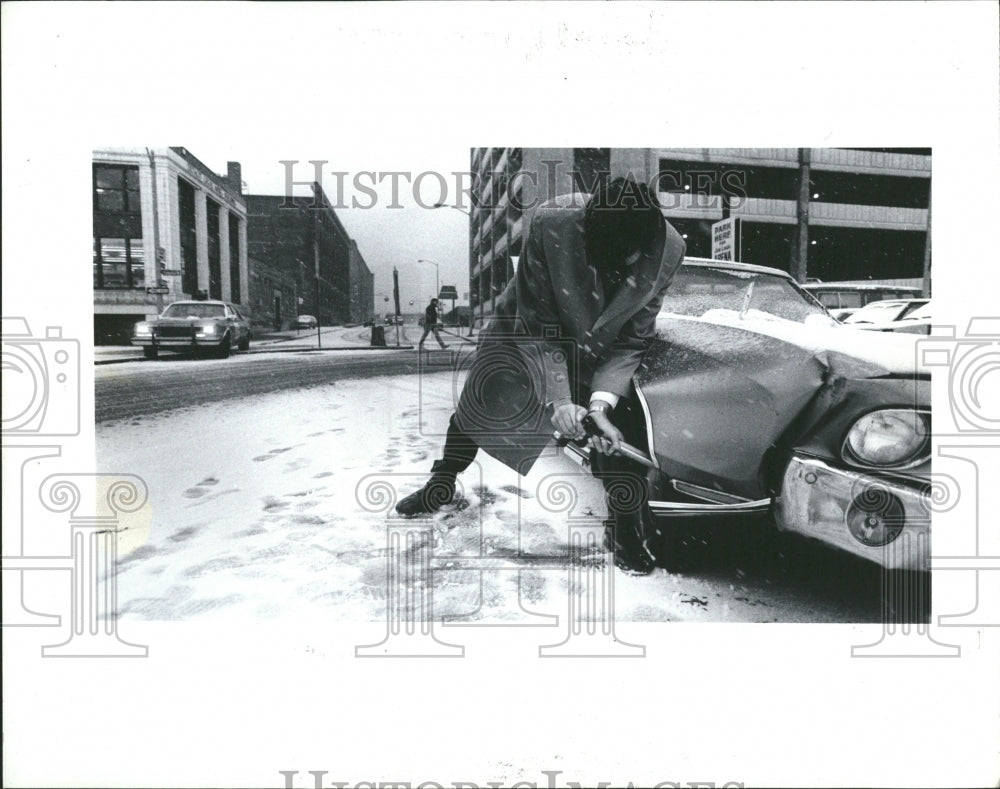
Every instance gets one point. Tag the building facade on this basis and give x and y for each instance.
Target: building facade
(362, 288)
(868, 209)
(274, 298)
(165, 228)
(303, 238)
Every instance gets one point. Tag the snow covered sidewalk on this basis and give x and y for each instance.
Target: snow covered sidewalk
(276, 506)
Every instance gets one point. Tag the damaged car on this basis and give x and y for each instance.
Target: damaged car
(753, 399)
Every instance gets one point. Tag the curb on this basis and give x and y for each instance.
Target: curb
(140, 358)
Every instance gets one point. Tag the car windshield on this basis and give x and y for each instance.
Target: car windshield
(696, 291)
(194, 309)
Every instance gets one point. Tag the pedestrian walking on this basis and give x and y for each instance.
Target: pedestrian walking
(567, 334)
(431, 324)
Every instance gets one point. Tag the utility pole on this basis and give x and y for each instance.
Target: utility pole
(927, 248)
(157, 263)
(395, 295)
(319, 335)
(800, 245)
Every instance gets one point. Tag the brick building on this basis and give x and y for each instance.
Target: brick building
(162, 220)
(273, 297)
(303, 238)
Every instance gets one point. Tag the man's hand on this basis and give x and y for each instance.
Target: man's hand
(568, 419)
(612, 437)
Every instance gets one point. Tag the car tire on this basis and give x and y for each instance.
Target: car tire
(150, 353)
(244, 344)
(225, 347)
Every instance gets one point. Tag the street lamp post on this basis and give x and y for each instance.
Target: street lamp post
(437, 275)
(468, 214)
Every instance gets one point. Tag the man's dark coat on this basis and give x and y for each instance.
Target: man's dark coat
(554, 333)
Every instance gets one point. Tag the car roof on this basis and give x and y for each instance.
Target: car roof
(728, 264)
(858, 286)
(195, 301)
(892, 301)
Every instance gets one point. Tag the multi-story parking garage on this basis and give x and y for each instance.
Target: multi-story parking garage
(867, 208)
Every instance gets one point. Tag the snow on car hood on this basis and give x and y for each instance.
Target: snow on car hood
(895, 354)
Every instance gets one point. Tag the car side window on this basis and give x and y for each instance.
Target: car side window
(910, 309)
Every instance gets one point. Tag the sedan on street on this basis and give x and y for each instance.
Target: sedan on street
(215, 327)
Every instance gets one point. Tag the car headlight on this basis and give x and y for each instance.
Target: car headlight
(208, 328)
(142, 329)
(890, 437)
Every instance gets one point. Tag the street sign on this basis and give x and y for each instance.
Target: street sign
(171, 272)
(727, 239)
(448, 292)
(163, 290)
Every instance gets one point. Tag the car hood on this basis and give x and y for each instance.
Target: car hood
(183, 321)
(721, 390)
(890, 354)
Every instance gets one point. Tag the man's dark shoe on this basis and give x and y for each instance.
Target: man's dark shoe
(630, 554)
(439, 491)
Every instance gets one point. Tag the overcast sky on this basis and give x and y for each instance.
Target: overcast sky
(386, 236)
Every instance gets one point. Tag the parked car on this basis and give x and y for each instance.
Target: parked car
(912, 316)
(754, 400)
(306, 322)
(192, 326)
(843, 298)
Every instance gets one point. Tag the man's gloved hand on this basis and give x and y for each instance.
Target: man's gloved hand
(567, 418)
(612, 437)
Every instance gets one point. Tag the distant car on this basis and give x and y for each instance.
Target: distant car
(753, 399)
(306, 322)
(910, 316)
(843, 298)
(191, 326)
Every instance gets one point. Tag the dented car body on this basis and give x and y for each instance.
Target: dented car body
(755, 400)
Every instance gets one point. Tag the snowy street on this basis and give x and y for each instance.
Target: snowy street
(273, 505)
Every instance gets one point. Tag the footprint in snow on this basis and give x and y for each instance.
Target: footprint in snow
(199, 490)
(516, 491)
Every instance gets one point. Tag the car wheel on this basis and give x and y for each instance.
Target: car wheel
(224, 348)
(150, 353)
(244, 344)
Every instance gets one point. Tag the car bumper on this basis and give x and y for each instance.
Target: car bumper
(177, 342)
(837, 506)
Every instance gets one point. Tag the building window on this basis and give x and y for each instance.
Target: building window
(214, 250)
(116, 189)
(119, 263)
(234, 258)
(189, 237)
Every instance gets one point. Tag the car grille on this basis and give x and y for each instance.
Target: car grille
(175, 331)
